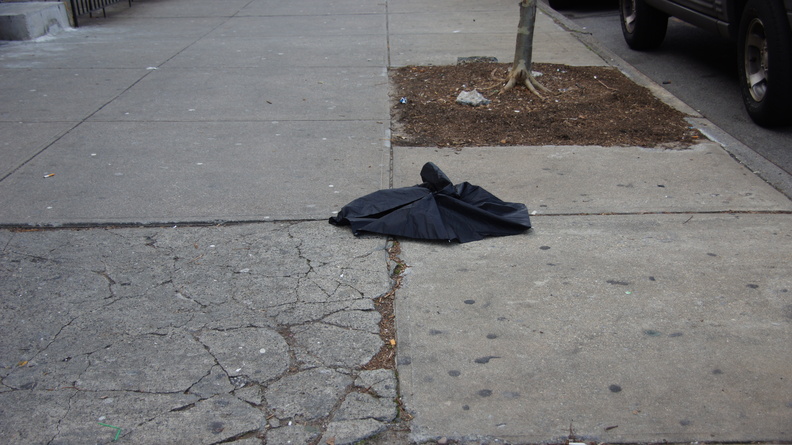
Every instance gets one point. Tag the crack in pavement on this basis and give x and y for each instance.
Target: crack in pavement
(190, 338)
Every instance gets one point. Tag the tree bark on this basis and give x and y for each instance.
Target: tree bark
(523, 51)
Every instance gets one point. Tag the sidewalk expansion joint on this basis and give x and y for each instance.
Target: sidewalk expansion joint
(35, 227)
(681, 212)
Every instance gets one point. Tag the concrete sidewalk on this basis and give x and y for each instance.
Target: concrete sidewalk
(649, 303)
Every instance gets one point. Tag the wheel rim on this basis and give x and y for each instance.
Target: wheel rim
(756, 66)
(629, 14)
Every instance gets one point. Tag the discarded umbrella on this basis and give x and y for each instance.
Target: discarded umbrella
(435, 210)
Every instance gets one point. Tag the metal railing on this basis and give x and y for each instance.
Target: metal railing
(82, 7)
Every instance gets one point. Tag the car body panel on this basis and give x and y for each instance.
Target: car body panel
(721, 16)
(788, 5)
(711, 8)
(693, 16)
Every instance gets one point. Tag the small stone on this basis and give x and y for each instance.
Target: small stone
(472, 98)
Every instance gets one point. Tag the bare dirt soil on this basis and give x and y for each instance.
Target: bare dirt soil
(585, 106)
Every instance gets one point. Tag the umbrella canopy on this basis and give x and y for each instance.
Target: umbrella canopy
(435, 210)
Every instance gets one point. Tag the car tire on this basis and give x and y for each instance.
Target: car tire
(643, 26)
(764, 54)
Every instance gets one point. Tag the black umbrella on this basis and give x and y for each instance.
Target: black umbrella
(435, 210)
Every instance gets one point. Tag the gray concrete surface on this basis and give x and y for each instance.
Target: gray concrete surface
(625, 328)
(591, 180)
(31, 20)
(650, 302)
(192, 335)
(439, 32)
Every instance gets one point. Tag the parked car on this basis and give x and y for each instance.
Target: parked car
(761, 29)
(564, 4)
(558, 4)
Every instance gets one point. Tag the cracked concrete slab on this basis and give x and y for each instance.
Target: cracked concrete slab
(260, 354)
(310, 394)
(380, 381)
(360, 406)
(361, 320)
(335, 346)
(293, 433)
(213, 383)
(148, 363)
(126, 410)
(240, 333)
(72, 416)
(347, 431)
(34, 415)
(217, 419)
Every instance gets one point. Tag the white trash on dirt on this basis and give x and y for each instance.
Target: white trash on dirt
(472, 98)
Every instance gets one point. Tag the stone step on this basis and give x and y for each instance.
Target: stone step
(30, 20)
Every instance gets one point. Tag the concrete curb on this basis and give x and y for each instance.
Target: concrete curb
(27, 21)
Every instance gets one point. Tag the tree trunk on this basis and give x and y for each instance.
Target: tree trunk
(523, 51)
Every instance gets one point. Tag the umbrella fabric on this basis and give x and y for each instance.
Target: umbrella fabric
(435, 210)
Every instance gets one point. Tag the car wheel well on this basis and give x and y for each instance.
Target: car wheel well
(734, 15)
